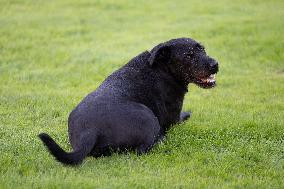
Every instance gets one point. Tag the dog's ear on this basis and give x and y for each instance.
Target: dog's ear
(160, 54)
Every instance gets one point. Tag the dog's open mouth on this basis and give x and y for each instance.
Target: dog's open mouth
(206, 82)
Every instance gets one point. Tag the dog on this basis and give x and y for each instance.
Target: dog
(137, 104)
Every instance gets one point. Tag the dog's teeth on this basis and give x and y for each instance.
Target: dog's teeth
(212, 76)
(210, 79)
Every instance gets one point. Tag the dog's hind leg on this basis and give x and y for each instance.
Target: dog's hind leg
(86, 144)
(142, 149)
(146, 146)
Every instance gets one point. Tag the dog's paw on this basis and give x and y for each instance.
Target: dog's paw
(185, 116)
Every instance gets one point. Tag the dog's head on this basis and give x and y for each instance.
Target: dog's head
(186, 60)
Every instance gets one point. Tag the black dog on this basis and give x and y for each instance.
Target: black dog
(135, 106)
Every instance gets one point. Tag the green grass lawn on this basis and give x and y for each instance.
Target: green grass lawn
(53, 53)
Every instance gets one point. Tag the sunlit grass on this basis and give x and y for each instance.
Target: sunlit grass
(53, 53)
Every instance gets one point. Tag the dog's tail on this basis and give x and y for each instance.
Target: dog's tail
(72, 158)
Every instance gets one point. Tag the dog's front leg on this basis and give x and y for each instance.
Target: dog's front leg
(184, 116)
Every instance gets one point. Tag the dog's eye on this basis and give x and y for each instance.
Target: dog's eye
(199, 47)
(189, 54)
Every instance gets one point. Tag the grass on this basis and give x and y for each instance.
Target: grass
(53, 53)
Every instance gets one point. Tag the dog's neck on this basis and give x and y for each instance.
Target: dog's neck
(183, 85)
(164, 70)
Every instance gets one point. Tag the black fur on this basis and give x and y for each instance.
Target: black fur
(135, 106)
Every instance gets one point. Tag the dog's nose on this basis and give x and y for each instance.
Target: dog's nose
(214, 66)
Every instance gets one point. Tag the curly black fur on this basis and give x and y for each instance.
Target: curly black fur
(135, 106)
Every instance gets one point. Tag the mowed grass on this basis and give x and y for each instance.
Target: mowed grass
(53, 53)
